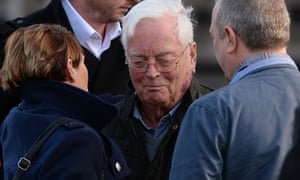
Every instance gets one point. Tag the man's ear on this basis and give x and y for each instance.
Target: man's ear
(193, 55)
(69, 71)
(193, 51)
(231, 38)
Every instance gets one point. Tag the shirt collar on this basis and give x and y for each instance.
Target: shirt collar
(259, 61)
(81, 28)
(164, 121)
(84, 32)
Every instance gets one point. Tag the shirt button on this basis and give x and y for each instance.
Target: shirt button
(118, 166)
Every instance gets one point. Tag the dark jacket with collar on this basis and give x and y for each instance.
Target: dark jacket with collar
(110, 75)
(127, 133)
(69, 153)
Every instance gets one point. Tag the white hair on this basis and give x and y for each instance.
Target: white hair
(155, 9)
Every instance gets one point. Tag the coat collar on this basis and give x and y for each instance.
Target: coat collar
(65, 100)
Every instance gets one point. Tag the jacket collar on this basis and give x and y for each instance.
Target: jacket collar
(65, 100)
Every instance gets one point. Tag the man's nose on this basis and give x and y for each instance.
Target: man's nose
(152, 70)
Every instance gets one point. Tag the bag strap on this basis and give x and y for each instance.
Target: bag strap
(25, 161)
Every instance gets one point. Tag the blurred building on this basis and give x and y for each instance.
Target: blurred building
(208, 71)
(17, 8)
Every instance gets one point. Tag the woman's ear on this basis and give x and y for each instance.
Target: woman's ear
(231, 37)
(69, 71)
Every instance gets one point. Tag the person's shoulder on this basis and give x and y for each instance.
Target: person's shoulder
(206, 89)
(197, 89)
(110, 98)
(115, 128)
(11, 25)
(215, 96)
(121, 122)
(126, 103)
(77, 130)
(7, 27)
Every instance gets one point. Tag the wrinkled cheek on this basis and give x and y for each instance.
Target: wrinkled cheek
(187, 82)
(136, 79)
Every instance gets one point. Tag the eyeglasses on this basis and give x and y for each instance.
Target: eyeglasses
(141, 64)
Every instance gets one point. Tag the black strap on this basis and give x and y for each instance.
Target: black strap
(25, 161)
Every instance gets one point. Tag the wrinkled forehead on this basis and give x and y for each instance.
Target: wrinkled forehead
(153, 33)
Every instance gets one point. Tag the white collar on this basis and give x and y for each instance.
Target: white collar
(84, 32)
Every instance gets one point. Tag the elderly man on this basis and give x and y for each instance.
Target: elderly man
(161, 55)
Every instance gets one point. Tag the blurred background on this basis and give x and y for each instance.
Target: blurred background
(208, 71)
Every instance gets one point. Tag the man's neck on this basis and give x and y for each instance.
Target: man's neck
(98, 26)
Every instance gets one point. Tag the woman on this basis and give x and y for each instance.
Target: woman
(44, 65)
